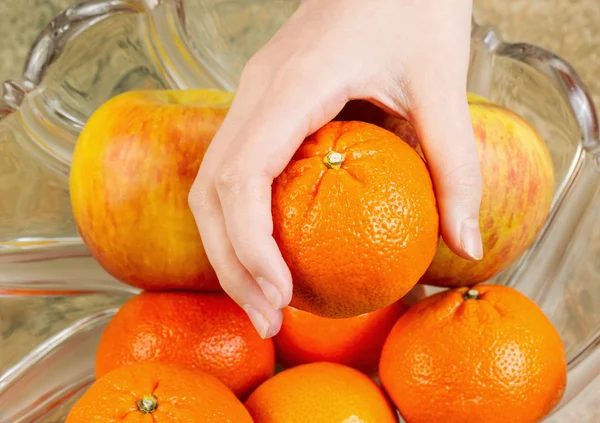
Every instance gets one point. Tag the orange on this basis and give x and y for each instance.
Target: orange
(482, 355)
(207, 331)
(158, 392)
(355, 341)
(318, 393)
(355, 217)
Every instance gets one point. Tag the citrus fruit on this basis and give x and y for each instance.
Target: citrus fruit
(158, 392)
(355, 341)
(355, 218)
(207, 331)
(482, 355)
(320, 392)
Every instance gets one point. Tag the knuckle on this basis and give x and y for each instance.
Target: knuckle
(249, 256)
(230, 180)
(198, 199)
(232, 286)
(239, 178)
(235, 284)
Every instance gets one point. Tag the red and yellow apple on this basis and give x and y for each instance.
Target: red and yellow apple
(518, 186)
(133, 166)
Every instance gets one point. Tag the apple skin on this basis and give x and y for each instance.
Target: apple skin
(518, 186)
(133, 167)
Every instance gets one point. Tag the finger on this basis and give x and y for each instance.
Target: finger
(233, 277)
(444, 127)
(246, 202)
(260, 151)
(206, 208)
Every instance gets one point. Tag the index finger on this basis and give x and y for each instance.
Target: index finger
(260, 151)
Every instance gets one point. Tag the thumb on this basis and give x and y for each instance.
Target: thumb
(444, 128)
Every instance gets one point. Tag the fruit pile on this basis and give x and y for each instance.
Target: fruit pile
(356, 219)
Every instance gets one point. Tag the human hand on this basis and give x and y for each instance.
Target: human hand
(408, 57)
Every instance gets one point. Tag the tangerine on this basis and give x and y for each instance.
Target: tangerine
(355, 218)
(158, 392)
(207, 331)
(480, 355)
(320, 392)
(355, 341)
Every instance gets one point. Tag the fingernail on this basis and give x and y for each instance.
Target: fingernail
(258, 320)
(272, 294)
(470, 238)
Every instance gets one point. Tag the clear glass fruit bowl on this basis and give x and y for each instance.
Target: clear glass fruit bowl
(55, 299)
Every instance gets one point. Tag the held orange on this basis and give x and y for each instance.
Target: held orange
(355, 341)
(355, 217)
(158, 392)
(518, 186)
(482, 355)
(318, 393)
(206, 331)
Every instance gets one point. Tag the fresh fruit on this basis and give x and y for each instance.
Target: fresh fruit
(355, 217)
(207, 331)
(482, 355)
(318, 393)
(158, 392)
(518, 185)
(355, 341)
(133, 167)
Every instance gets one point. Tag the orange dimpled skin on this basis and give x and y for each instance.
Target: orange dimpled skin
(485, 355)
(355, 342)
(320, 393)
(158, 393)
(207, 331)
(355, 218)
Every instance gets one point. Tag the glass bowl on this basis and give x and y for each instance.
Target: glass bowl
(55, 299)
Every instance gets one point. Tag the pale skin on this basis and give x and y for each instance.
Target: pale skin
(408, 57)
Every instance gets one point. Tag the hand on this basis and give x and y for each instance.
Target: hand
(408, 57)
